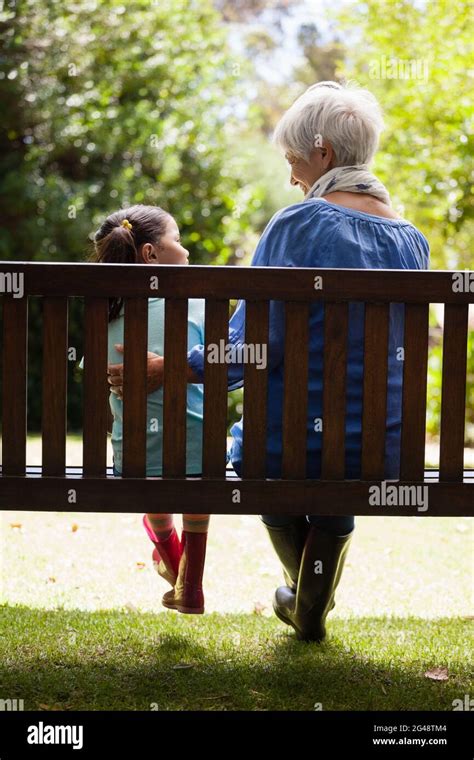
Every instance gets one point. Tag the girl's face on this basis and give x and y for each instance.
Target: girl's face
(169, 250)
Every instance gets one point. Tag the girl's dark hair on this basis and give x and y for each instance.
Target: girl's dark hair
(115, 243)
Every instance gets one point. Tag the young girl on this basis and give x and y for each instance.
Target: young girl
(149, 235)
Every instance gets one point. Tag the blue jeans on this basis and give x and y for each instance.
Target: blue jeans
(340, 525)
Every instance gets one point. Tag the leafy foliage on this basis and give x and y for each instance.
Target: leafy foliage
(415, 62)
(413, 57)
(107, 105)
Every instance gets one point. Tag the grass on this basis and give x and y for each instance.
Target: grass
(72, 660)
(405, 566)
(81, 625)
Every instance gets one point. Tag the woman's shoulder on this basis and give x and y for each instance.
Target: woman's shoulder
(289, 229)
(293, 220)
(293, 231)
(296, 211)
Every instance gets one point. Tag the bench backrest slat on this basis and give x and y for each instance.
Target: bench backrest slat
(135, 387)
(54, 417)
(295, 399)
(334, 390)
(255, 392)
(175, 387)
(262, 283)
(15, 338)
(96, 387)
(453, 396)
(415, 368)
(215, 392)
(375, 391)
(263, 289)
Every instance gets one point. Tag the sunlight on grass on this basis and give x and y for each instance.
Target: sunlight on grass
(129, 661)
(81, 611)
(396, 565)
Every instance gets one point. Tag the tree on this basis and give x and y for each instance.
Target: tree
(108, 104)
(414, 58)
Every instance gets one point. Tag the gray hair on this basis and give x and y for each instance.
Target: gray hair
(346, 116)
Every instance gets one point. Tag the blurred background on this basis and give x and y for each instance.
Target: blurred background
(173, 102)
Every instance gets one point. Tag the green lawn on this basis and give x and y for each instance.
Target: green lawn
(113, 660)
(82, 627)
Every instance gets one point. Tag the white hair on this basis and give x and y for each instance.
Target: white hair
(346, 116)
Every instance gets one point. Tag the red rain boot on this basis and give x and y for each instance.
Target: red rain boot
(166, 554)
(187, 595)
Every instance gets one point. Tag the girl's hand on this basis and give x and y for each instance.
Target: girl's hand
(154, 373)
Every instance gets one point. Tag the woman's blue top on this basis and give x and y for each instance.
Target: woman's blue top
(317, 234)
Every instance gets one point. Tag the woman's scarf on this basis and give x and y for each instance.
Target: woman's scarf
(351, 179)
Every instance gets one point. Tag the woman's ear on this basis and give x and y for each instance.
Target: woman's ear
(149, 254)
(327, 155)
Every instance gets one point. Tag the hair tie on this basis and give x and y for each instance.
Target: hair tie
(126, 223)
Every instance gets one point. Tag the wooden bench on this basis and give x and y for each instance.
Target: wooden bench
(53, 486)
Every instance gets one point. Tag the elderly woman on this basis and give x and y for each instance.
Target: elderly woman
(329, 137)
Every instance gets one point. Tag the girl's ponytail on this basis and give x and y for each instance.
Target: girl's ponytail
(119, 239)
(118, 247)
